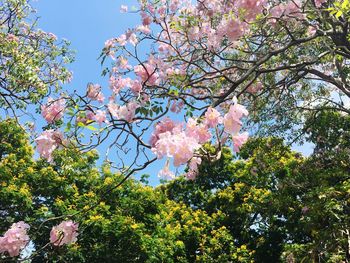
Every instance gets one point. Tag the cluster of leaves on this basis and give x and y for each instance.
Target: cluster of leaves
(277, 202)
(132, 223)
(270, 205)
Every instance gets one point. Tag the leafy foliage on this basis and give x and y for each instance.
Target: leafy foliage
(269, 205)
(32, 62)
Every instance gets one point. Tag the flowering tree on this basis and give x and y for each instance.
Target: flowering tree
(208, 64)
(31, 61)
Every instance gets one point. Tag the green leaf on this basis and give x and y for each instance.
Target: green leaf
(92, 128)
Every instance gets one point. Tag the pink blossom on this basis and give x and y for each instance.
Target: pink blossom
(165, 173)
(12, 37)
(252, 7)
(109, 44)
(14, 239)
(255, 88)
(147, 73)
(144, 98)
(122, 40)
(174, 5)
(123, 63)
(304, 210)
(47, 142)
(193, 165)
(276, 12)
(133, 39)
(65, 233)
(144, 29)
(136, 86)
(176, 107)
(311, 30)
(113, 108)
(146, 19)
(125, 112)
(164, 47)
(170, 140)
(123, 9)
(52, 36)
(212, 117)
(193, 168)
(214, 39)
(232, 28)
(232, 120)
(163, 126)
(238, 140)
(94, 92)
(119, 83)
(289, 9)
(198, 131)
(179, 146)
(293, 9)
(194, 33)
(162, 11)
(151, 9)
(53, 110)
(99, 116)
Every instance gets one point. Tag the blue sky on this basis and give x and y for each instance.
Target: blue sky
(87, 25)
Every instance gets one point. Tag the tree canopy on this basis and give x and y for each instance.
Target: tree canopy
(32, 62)
(272, 204)
(225, 89)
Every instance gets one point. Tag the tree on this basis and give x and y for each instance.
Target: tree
(133, 223)
(211, 63)
(270, 205)
(282, 60)
(284, 206)
(32, 62)
(244, 191)
(321, 187)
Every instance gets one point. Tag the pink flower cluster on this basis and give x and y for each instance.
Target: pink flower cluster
(166, 173)
(170, 139)
(165, 125)
(232, 119)
(99, 116)
(289, 9)
(199, 132)
(94, 92)
(251, 8)
(125, 112)
(212, 117)
(239, 139)
(129, 36)
(176, 144)
(233, 124)
(15, 239)
(193, 168)
(47, 142)
(117, 84)
(147, 73)
(53, 110)
(233, 18)
(64, 233)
